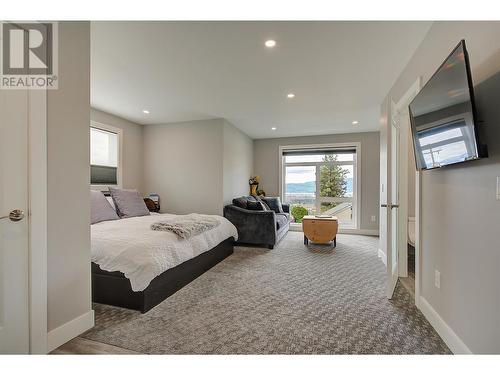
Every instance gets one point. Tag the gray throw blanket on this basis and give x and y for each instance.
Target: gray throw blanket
(186, 226)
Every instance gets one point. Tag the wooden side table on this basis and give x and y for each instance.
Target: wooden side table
(320, 229)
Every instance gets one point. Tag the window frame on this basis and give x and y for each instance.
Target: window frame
(119, 133)
(356, 198)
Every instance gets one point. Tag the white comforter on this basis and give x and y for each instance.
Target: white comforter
(132, 247)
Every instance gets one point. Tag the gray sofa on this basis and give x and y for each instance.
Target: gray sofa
(259, 226)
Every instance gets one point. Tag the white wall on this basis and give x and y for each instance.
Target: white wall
(237, 163)
(196, 166)
(266, 165)
(183, 164)
(68, 174)
(133, 153)
(460, 216)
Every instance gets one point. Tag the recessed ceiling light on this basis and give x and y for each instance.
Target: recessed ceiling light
(270, 43)
(273, 128)
(290, 95)
(145, 111)
(355, 122)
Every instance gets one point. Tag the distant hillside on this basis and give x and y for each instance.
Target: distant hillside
(303, 187)
(310, 187)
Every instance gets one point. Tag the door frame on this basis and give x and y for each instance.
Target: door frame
(405, 130)
(37, 216)
(37, 220)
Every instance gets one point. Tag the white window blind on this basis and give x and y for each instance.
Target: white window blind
(103, 157)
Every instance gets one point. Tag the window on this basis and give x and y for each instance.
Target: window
(104, 156)
(323, 180)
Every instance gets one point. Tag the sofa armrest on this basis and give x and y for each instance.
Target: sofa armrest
(256, 227)
(286, 207)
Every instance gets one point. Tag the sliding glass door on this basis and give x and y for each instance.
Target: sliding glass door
(321, 181)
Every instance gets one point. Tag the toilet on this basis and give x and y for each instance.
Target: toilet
(411, 231)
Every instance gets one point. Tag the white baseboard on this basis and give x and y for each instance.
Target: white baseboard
(456, 345)
(363, 232)
(382, 256)
(69, 330)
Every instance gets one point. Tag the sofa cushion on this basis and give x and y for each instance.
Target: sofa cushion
(287, 215)
(281, 221)
(274, 204)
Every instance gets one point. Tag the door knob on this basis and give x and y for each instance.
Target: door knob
(14, 215)
(391, 206)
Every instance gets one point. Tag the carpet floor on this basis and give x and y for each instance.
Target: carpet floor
(295, 299)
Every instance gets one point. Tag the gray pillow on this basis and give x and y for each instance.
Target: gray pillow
(256, 206)
(240, 202)
(129, 203)
(274, 204)
(100, 209)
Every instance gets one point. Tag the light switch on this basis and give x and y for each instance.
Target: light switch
(498, 188)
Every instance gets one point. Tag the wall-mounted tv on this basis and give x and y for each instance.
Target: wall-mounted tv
(443, 116)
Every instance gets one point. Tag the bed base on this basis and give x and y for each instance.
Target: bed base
(113, 288)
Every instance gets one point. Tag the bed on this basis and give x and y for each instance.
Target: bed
(137, 268)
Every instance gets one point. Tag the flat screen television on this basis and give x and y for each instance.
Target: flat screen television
(443, 116)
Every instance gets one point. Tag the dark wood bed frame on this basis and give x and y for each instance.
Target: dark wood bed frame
(113, 288)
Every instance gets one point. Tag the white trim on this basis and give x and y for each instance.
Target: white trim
(396, 114)
(37, 203)
(363, 232)
(418, 238)
(382, 256)
(70, 330)
(456, 345)
(119, 172)
(357, 167)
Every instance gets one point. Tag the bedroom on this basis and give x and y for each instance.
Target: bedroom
(221, 187)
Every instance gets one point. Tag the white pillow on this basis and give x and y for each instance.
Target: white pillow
(111, 202)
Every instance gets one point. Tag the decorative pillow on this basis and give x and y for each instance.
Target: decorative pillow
(129, 203)
(274, 204)
(259, 199)
(240, 202)
(256, 206)
(100, 209)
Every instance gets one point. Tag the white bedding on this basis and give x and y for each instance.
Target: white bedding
(132, 247)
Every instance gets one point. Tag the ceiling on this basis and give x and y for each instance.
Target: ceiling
(340, 72)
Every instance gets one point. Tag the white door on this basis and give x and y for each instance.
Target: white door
(393, 206)
(14, 313)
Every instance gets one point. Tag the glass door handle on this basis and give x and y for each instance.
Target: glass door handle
(14, 215)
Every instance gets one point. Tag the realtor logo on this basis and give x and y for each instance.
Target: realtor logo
(29, 55)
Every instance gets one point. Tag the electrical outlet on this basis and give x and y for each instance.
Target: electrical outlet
(437, 279)
(374, 218)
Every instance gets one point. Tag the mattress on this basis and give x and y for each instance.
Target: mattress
(131, 247)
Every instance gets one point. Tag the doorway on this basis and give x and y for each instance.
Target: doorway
(403, 187)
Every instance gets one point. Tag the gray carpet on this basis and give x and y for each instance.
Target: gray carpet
(290, 300)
